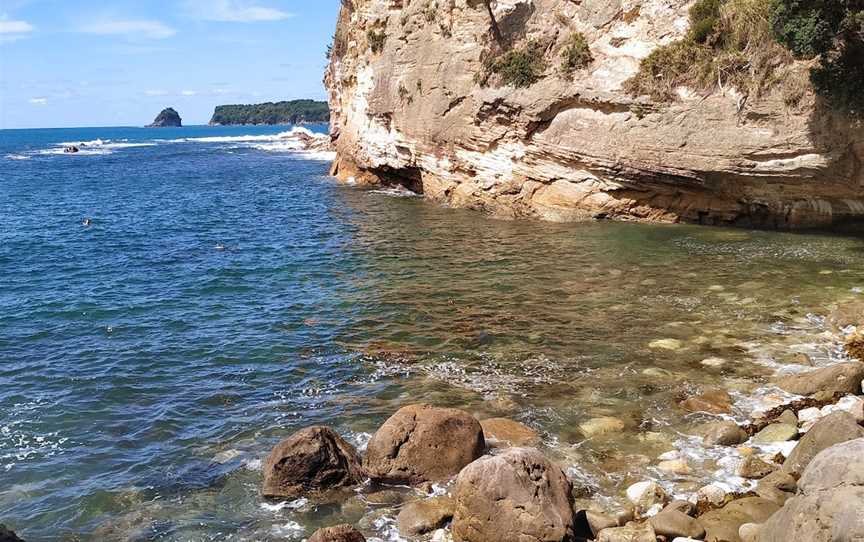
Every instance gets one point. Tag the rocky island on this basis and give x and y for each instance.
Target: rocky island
(167, 118)
(635, 110)
(289, 112)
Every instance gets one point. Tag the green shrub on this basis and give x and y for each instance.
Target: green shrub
(520, 67)
(576, 54)
(376, 40)
(834, 31)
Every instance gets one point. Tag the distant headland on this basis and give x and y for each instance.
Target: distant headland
(287, 112)
(167, 118)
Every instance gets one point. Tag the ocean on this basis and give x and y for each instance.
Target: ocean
(227, 292)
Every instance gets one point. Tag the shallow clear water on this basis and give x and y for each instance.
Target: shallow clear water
(144, 372)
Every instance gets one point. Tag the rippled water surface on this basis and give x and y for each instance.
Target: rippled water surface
(228, 293)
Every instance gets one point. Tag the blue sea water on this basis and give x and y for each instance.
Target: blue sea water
(227, 292)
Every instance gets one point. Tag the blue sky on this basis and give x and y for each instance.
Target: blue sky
(118, 63)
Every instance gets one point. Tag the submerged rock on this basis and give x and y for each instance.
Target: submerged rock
(422, 443)
(596, 427)
(424, 516)
(830, 503)
(509, 432)
(519, 491)
(722, 433)
(337, 533)
(712, 402)
(830, 430)
(311, 460)
(842, 378)
(6, 535)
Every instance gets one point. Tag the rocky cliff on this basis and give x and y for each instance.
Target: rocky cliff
(410, 104)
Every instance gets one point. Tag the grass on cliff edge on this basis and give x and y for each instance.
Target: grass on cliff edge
(730, 43)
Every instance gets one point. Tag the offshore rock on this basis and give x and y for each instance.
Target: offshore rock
(422, 443)
(166, 118)
(518, 495)
(407, 107)
(311, 460)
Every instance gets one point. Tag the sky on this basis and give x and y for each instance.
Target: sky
(68, 63)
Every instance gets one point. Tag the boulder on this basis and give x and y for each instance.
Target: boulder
(843, 378)
(754, 468)
(338, 533)
(508, 432)
(828, 431)
(672, 522)
(776, 432)
(421, 517)
(712, 402)
(829, 505)
(749, 532)
(646, 494)
(422, 443)
(7, 535)
(519, 491)
(311, 460)
(632, 532)
(722, 433)
(722, 525)
(778, 487)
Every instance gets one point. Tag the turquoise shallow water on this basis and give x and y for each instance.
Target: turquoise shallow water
(144, 371)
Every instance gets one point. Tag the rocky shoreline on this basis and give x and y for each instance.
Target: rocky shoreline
(489, 480)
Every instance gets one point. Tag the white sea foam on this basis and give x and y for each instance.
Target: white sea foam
(289, 505)
(17, 157)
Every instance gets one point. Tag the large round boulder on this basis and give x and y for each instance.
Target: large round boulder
(311, 460)
(828, 507)
(422, 443)
(337, 533)
(518, 496)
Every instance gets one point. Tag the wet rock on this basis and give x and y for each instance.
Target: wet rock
(421, 517)
(7, 535)
(722, 525)
(646, 494)
(504, 431)
(633, 532)
(753, 468)
(311, 460)
(828, 431)
(337, 533)
(596, 427)
(519, 491)
(831, 497)
(714, 363)
(675, 466)
(665, 344)
(776, 432)
(672, 522)
(712, 402)
(722, 433)
(422, 443)
(842, 378)
(777, 486)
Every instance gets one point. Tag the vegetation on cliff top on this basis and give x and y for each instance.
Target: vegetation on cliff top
(740, 43)
(291, 112)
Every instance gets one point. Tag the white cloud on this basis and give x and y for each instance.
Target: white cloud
(38, 101)
(14, 27)
(188, 93)
(130, 28)
(156, 92)
(234, 11)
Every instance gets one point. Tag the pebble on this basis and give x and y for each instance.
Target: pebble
(665, 344)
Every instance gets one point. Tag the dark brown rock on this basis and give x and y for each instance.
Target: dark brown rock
(840, 378)
(311, 460)
(722, 433)
(338, 533)
(421, 517)
(504, 431)
(6, 535)
(832, 429)
(712, 402)
(519, 491)
(422, 443)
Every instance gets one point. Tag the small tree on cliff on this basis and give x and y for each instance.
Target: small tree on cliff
(496, 31)
(833, 30)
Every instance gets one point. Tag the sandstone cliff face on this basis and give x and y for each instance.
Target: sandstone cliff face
(410, 110)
